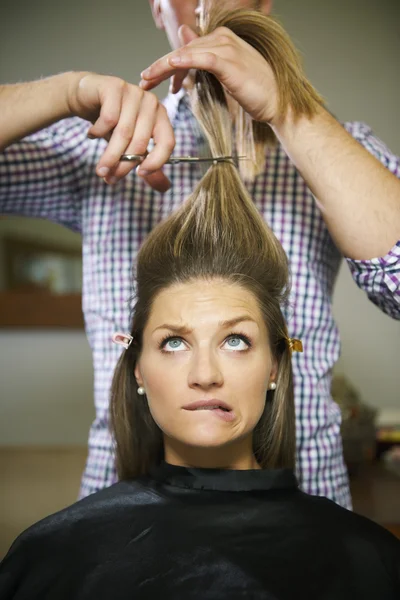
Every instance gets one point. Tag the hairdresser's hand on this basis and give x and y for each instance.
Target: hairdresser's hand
(243, 72)
(128, 117)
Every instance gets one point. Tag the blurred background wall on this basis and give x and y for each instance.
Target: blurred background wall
(350, 49)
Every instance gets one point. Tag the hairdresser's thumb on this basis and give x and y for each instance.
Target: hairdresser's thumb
(186, 35)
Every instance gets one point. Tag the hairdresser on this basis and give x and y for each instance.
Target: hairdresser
(334, 181)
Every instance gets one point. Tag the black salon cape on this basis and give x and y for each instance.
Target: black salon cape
(203, 533)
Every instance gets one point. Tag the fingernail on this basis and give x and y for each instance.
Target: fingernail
(103, 171)
(110, 180)
(143, 172)
(175, 60)
(145, 73)
(91, 137)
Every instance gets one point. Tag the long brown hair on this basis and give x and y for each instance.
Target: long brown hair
(217, 233)
(267, 36)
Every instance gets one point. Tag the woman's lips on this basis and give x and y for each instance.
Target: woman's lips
(216, 407)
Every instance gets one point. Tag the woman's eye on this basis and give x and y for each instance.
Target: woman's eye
(237, 342)
(172, 345)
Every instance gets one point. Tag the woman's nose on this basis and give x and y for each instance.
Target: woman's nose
(205, 370)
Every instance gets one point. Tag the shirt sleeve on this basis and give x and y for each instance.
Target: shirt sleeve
(378, 277)
(43, 175)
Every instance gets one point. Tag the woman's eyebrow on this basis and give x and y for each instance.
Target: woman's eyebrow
(185, 330)
(180, 329)
(236, 320)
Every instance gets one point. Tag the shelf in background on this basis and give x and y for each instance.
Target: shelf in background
(37, 309)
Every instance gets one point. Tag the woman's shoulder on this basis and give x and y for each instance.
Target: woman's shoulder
(347, 527)
(78, 519)
(70, 540)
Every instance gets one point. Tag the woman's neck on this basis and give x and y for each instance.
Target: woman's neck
(238, 457)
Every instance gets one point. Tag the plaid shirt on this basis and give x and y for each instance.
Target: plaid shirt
(51, 174)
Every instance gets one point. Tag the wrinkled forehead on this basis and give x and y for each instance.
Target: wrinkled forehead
(201, 304)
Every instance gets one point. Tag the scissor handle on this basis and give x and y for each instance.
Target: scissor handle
(133, 157)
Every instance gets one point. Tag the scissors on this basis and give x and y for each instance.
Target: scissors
(174, 160)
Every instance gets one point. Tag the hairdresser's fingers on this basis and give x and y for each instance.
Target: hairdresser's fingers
(177, 81)
(113, 106)
(190, 41)
(186, 35)
(137, 134)
(110, 108)
(241, 69)
(158, 181)
(122, 135)
(196, 58)
(176, 64)
(150, 125)
(151, 83)
(164, 143)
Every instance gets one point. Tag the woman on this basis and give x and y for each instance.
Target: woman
(203, 418)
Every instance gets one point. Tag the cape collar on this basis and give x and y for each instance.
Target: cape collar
(224, 480)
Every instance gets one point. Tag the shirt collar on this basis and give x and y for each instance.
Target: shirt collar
(172, 102)
(224, 480)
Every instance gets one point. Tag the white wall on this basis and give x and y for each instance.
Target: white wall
(46, 376)
(46, 388)
(351, 50)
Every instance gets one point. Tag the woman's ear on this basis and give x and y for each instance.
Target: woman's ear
(157, 13)
(274, 370)
(265, 6)
(138, 376)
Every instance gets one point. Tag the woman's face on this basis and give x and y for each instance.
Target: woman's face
(206, 343)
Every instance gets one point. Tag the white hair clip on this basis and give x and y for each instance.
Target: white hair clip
(122, 339)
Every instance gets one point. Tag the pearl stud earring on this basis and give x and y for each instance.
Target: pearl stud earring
(272, 385)
(141, 391)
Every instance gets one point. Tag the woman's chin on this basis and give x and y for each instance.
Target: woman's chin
(203, 442)
(205, 437)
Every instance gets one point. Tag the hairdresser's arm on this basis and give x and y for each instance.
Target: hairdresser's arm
(121, 112)
(358, 197)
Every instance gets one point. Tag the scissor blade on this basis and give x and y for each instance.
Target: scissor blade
(179, 159)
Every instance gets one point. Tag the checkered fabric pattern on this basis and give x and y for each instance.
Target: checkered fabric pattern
(51, 174)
